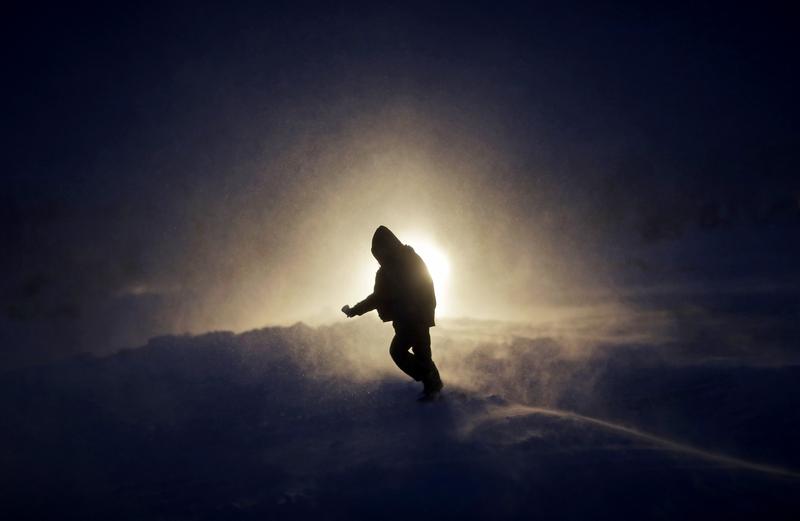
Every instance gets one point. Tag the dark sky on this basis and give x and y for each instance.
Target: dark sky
(194, 167)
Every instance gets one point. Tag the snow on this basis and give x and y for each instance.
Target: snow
(304, 423)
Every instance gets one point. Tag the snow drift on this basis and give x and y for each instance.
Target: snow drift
(300, 422)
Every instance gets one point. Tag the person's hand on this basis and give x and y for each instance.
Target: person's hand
(347, 310)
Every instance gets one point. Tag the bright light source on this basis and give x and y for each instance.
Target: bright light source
(438, 266)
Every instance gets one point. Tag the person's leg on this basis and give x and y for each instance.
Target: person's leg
(420, 340)
(399, 352)
(421, 345)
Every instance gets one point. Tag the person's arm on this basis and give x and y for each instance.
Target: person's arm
(365, 306)
(369, 303)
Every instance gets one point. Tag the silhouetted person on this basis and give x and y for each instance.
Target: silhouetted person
(404, 294)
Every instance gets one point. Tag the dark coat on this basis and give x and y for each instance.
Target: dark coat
(403, 287)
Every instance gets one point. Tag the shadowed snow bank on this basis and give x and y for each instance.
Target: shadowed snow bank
(308, 423)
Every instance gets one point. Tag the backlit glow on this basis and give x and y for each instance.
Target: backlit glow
(438, 265)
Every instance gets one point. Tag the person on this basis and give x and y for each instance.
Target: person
(404, 294)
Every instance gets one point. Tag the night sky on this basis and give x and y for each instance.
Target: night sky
(194, 167)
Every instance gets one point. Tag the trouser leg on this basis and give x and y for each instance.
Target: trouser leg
(421, 346)
(418, 365)
(406, 361)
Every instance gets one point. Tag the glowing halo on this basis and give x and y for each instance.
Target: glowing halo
(438, 264)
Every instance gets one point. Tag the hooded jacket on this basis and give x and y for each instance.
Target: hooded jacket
(403, 289)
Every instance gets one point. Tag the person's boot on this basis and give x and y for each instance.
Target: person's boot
(432, 383)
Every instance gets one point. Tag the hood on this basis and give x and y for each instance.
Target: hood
(385, 245)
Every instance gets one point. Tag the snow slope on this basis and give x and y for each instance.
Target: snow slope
(300, 423)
